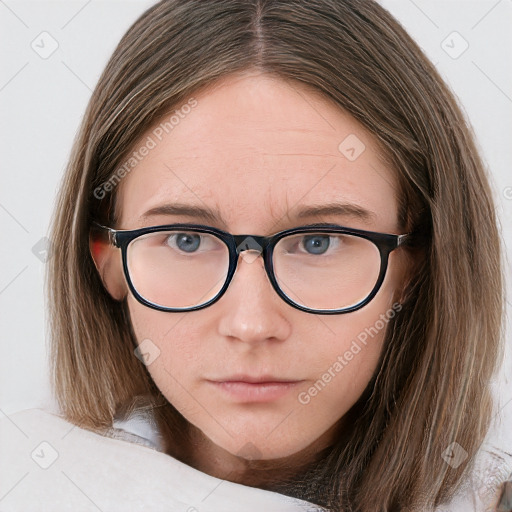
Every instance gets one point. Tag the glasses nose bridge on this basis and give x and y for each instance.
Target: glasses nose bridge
(251, 243)
(256, 246)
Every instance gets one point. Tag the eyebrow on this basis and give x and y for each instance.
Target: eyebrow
(205, 213)
(345, 209)
(185, 210)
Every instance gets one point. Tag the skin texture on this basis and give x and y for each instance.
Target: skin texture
(256, 148)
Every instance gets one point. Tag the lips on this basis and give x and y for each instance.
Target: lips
(247, 388)
(263, 379)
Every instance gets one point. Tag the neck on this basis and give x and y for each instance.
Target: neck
(204, 455)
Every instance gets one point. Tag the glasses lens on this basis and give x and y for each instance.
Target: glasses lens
(326, 270)
(178, 269)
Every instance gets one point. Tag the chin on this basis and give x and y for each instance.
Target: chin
(259, 443)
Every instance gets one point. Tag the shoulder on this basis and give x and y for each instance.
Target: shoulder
(47, 462)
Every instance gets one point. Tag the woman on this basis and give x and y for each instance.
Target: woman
(275, 229)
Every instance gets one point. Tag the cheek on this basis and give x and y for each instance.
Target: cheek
(171, 341)
(344, 361)
(342, 368)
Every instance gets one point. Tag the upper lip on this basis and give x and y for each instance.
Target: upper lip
(254, 379)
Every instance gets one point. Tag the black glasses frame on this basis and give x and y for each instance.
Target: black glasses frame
(385, 243)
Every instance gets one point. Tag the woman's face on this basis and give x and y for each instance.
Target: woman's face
(257, 150)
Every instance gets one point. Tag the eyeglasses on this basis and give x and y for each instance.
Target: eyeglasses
(320, 268)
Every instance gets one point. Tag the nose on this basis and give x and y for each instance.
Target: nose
(250, 309)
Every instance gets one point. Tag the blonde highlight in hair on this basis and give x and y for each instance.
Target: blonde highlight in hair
(432, 386)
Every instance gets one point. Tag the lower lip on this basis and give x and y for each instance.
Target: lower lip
(255, 391)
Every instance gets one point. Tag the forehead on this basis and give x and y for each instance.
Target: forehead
(255, 148)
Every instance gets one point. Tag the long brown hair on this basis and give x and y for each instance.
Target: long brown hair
(432, 384)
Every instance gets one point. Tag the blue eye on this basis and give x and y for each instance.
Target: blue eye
(316, 244)
(186, 242)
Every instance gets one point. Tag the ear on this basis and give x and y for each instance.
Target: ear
(108, 262)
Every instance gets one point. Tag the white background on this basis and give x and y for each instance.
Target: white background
(42, 101)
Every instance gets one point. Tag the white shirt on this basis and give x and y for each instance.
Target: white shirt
(49, 464)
